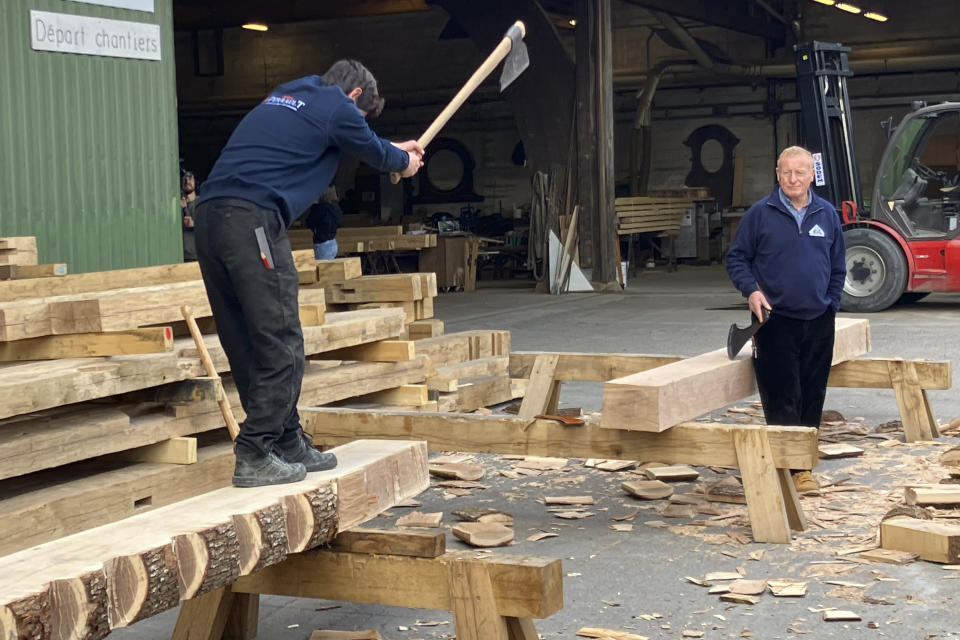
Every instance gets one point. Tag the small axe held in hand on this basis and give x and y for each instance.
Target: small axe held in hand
(514, 53)
(738, 337)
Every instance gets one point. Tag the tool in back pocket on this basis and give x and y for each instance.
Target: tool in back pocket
(265, 253)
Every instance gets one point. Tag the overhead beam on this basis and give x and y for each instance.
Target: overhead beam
(737, 15)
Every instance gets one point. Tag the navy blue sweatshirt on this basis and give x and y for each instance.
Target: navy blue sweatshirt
(286, 151)
(799, 268)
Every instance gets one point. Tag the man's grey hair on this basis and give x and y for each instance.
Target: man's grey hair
(793, 152)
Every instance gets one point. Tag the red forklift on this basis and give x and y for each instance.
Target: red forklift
(906, 245)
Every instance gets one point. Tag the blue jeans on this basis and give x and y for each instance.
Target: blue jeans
(325, 250)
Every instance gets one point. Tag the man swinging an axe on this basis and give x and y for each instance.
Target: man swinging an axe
(787, 259)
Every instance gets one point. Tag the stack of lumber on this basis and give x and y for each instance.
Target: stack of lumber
(348, 289)
(645, 214)
(471, 369)
(102, 417)
(18, 260)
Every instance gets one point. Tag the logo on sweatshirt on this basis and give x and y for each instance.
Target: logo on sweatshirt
(285, 101)
(816, 231)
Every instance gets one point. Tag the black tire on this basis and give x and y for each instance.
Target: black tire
(876, 271)
(912, 296)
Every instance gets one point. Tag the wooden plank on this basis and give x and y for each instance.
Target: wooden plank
(447, 378)
(383, 351)
(657, 399)
(455, 348)
(27, 271)
(690, 443)
(937, 494)
(243, 619)
(58, 382)
(768, 514)
(523, 586)
(206, 543)
(337, 270)
(115, 279)
(88, 345)
(791, 501)
(417, 544)
(929, 539)
(179, 450)
(541, 388)
(347, 233)
(473, 603)
(588, 367)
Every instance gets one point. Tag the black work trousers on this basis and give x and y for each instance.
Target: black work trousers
(792, 362)
(256, 310)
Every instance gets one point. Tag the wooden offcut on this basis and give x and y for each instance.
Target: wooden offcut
(417, 544)
(657, 399)
(483, 534)
(25, 271)
(937, 494)
(929, 539)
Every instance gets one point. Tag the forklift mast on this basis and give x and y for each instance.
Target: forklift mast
(827, 131)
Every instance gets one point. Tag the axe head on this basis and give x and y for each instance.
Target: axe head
(738, 337)
(517, 60)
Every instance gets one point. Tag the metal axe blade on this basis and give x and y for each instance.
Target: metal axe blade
(738, 337)
(518, 59)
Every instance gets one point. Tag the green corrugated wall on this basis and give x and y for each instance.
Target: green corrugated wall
(88, 145)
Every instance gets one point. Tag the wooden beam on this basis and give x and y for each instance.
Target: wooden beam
(410, 395)
(147, 563)
(690, 443)
(874, 373)
(383, 351)
(88, 345)
(27, 271)
(473, 603)
(426, 328)
(523, 586)
(473, 393)
(448, 377)
(383, 288)
(417, 544)
(588, 367)
(204, 617)
(179, 450)
(657, 399)
(936, 494)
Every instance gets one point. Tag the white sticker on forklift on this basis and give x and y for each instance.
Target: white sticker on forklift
(818, 169)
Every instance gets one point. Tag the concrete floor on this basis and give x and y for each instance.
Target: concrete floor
(614, 578)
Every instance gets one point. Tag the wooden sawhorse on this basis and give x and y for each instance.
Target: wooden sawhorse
(492, 598)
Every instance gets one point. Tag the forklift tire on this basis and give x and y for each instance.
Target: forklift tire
(912, 296)
(876, 271)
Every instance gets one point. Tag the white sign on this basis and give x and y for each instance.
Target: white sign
(818, 169)
(136, 5)
(94, 36)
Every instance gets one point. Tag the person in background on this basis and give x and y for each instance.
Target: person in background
(323, 220)
(787, 258)
(188, 202)
(279, 160)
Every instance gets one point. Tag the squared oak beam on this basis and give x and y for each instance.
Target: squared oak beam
(657, 399)
(690, 443)
(523, 586)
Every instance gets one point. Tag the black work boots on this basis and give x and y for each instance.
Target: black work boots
(258, 470)
(300, 449)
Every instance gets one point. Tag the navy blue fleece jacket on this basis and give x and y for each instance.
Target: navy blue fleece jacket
(286, 151)
(799, 268)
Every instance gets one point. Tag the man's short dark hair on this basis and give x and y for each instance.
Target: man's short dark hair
(350, 74)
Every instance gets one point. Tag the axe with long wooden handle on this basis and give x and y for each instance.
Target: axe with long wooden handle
(225, 409)
(514, 53)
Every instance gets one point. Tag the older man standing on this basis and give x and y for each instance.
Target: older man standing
(788, 258)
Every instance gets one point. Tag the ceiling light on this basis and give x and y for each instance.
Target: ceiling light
(256, 26)
(850, 8)
(572, 22)
(829, 3)
(873, 15)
